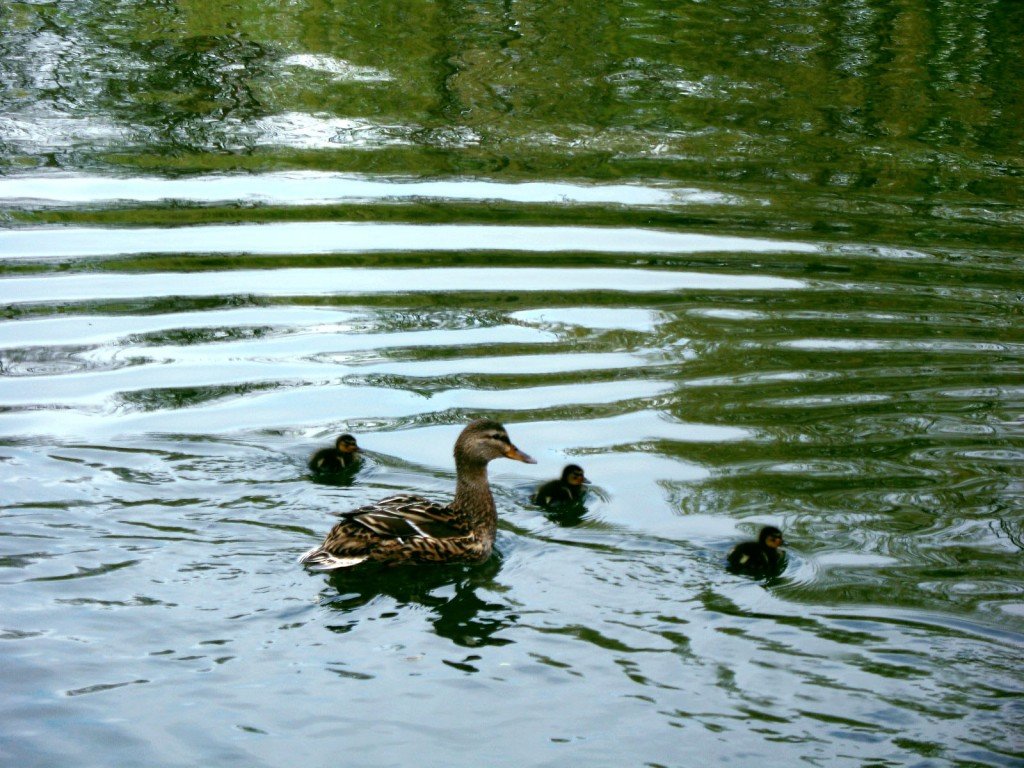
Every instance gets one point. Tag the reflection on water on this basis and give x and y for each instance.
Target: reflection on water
(450, 594)
(362, 238)
(747, 264)
(317, 188)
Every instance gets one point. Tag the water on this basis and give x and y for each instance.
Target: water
(746, 263)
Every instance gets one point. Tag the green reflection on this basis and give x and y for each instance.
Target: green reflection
(904, 99)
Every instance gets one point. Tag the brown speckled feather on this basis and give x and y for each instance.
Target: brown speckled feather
(400, 529)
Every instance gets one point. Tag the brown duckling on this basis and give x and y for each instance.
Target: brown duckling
(763, 557)
(344, 455)
(412, 529)
(568, 489)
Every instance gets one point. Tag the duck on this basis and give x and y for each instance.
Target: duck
(567, 489)
(763, 557)
(412, 529)
(344, 455)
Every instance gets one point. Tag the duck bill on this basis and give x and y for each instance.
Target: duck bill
(517, 455)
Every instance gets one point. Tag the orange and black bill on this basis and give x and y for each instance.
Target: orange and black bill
(514, 453)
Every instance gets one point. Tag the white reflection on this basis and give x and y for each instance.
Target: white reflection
(299, 406)
(729, 314)
(899, 345)
(627, 429)
(330, 282)
(96, 329)
(603, 318)
(57, 129)
(317, 188)
(342, 70)
(300, 130)
(349, 237)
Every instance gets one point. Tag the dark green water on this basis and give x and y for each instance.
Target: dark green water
(746, 262)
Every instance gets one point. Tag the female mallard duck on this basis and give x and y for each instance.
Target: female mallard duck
(344, 455)
(568, 489)
(763, 557)
(403, 529)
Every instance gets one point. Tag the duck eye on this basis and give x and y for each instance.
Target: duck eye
(500, 437)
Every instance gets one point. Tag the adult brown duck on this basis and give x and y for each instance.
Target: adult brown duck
(412, 529)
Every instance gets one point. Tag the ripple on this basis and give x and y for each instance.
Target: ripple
(85, 573)
(833, 560)
(850, 369)
(602, 318)
(197, 372)
(38, 129)
(901, 345)
(98, 329)
(45, 361)
(102, 687)
(254, 409)
(518, 365)
(319, 188)
(301, 130)
(341, 70)
(341, 281)
(336, 344)
(348, 237)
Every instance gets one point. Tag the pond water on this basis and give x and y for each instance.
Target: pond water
(747, 263)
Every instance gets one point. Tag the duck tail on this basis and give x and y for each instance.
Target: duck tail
(319, 559)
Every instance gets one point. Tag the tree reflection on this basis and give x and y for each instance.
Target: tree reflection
(187, 88)
(857, 94)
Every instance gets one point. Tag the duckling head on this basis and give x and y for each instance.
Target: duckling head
(346, 444)
(770, 537)
(573, 475)
(484, 440)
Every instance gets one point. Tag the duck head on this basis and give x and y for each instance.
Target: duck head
(484, 440)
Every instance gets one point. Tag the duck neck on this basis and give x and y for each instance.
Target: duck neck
(473, 493)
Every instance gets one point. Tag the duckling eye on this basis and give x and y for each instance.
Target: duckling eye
(500, 437)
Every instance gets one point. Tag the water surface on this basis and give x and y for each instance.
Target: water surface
(747, 263)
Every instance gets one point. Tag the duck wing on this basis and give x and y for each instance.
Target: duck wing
(406, 527)
(401, 517)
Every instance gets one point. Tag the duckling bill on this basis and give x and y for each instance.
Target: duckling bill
(567, 489)
(760, 558)
(412, 529)
(344, 455)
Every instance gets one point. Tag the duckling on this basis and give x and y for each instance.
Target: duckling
(568, 489)
(763, 557)
(344, 455)
(412, 529)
